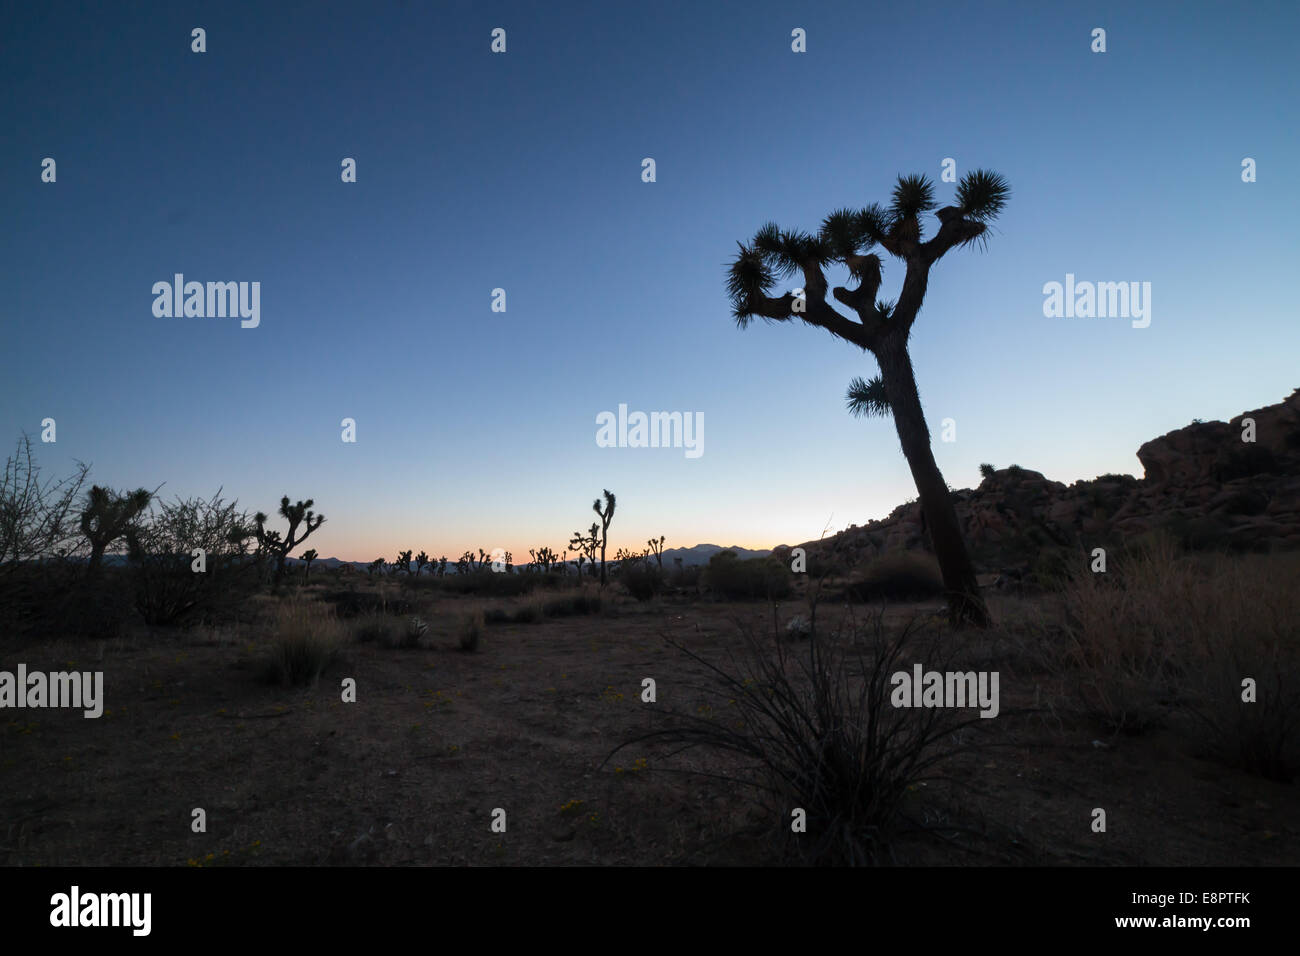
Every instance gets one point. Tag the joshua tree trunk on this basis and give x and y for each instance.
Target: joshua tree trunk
(959, 580)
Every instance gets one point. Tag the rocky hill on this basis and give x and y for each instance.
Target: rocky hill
(1203, 484)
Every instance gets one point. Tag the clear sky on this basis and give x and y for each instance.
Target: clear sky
(523, 171)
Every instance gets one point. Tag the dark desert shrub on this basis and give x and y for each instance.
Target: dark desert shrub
(1164, 636)
(572, 604)
(168, 590)
(306, 643)
(899, 576)
(471, 635)
(729, 577)
(490, 583)
(643, 581)
(53, 599)
(373, 627)
(351, 603)
(816, 728)
(527, 614)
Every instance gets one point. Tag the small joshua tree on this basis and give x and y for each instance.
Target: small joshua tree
(442, 566)
(308, 556)
(403, 562)
(463, 565)
(106, 517)
(586, 546)
(375, 567)
(657, 549)
(421, 562)
(298, 515)
(606, 516)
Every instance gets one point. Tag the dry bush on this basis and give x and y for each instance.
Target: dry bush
(816, 728)
(373, 627)
(471, 636)
(1122, 629)
(1164, 634)
(899, 576)
(168, 591)
(306, 642)
(1245, 623)
(731, 578)
(642, 580)
(583, 602)
(55, 599)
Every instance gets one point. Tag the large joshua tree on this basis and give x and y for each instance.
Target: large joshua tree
(881, 328)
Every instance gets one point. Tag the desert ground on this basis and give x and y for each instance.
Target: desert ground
(529, 721)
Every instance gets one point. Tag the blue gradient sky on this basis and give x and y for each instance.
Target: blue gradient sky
(522, 171)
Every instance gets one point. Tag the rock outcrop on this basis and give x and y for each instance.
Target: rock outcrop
(1203, 484)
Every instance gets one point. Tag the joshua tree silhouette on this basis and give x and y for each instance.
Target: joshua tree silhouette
(586, 545)
(657, 549)
(543, 559)
(297, 515)
(106, 517)
(606, 517)
(881, 328)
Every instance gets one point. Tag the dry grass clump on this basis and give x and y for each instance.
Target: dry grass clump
(471, 635)
(306, 641)
(1164, 635)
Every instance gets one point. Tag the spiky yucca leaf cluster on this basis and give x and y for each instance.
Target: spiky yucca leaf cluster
(868, 398)
(912, 196)
(982, 194)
